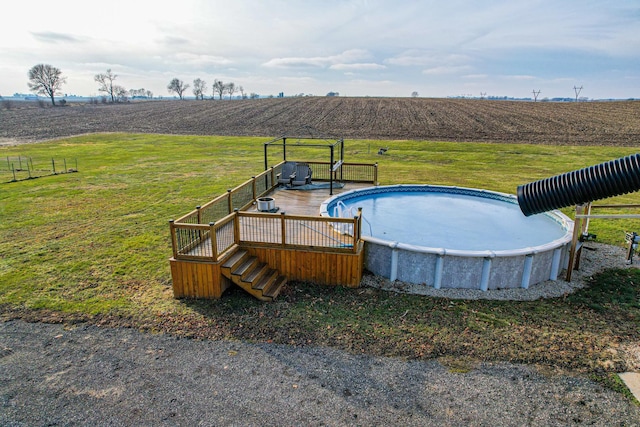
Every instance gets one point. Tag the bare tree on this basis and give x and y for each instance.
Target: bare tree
(242, 94)
(176, 85)
(106, 84)
(415, 94)
(121, 93)
(219, 88)
(46, 80)
(199, 87)
(231, 87)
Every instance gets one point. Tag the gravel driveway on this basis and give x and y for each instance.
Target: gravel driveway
(86, 375)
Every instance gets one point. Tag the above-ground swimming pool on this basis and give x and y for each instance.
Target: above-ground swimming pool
(451, 237)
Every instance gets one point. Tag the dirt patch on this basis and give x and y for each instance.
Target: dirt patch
(87, 375)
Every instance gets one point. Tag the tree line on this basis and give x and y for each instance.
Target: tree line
(219, 88)
(47, 80)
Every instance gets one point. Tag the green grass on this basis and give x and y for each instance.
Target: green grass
(95, 245)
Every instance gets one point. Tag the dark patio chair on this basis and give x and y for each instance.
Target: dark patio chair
(302, 175)
(288, 173)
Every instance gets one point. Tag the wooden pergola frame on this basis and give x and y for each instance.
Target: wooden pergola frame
(302, 140)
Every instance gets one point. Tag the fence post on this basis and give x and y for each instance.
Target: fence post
(53, 165)
(283, 233)
(229, 199)
(236, 227)
(253, 187)
(13, 169)
(199, 219)
(273, 178)
(214, 241)
(65, 165)
(375, 174)
(174, 243)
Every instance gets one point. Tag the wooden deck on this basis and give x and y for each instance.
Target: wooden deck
(306, 202)
(295, 246)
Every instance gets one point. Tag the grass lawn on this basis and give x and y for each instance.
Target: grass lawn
(95, 245)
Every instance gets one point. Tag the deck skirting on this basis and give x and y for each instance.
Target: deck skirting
(198, 279)
(320, 267)
(204, 279)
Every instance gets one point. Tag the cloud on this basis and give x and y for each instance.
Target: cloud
(197, 60)
(53, 37)
(520, 77)
(345, 58)
(358, 67)
(426, 58)
(446, 70)
(174, 41)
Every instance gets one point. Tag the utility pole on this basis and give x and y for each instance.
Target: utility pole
(535, 95)
(577, 90)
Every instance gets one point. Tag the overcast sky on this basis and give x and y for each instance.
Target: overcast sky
(354, 47)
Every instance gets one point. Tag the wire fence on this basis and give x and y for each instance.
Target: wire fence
(20, 168)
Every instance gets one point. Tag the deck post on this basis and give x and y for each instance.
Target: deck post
(174, 244)
(273, 178)
(283, 229)
(214, 241)
(236, 227)
(375, 174)
(253, 187)
(230, 201)
(199, 222)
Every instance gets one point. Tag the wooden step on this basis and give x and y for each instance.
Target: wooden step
(254, 275)
(234, 259)
(269, 277)
(274, 288)
(245, 267)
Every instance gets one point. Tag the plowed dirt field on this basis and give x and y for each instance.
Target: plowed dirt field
(585, 123)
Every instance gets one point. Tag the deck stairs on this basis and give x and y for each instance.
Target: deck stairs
(253, 276)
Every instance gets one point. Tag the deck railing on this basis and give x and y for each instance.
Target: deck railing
(209, 241)
(352, 172)
(210, 230)
(240, 197)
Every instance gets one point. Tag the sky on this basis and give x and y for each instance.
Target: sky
(312, 47)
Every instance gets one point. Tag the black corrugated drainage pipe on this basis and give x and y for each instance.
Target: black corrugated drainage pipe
(607, 179)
